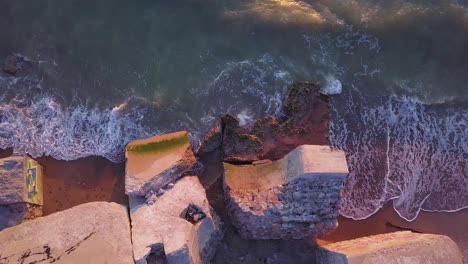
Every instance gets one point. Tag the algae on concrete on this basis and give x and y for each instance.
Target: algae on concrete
(159, 146)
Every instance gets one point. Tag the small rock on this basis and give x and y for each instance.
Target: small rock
(194, 214)
(161, 191)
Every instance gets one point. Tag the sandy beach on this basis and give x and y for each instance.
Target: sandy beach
(70, 183)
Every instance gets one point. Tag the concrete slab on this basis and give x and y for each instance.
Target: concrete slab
(96, 232)
(392, 248)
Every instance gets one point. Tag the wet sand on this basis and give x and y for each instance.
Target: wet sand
(70, 183)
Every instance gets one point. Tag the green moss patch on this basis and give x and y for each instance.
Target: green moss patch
(159, 146)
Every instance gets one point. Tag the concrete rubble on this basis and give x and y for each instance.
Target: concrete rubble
(304, 121)
(154, 162)
(97, 232)
(178, 226)
(392, 248)
(21, 190)
(292, 198)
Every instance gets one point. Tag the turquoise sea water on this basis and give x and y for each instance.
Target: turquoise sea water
(107, 72)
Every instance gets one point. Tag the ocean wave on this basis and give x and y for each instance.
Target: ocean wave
(402, 150)
(45, 128)
(255, 85)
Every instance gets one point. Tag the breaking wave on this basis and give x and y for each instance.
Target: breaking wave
(401, 150)
(46, 128)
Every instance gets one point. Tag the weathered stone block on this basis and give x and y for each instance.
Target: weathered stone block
(292, 198)
(392, 248)
(154, 162)
(96, 232)
(178, 225)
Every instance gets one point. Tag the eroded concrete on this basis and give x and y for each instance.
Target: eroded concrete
(292, 198)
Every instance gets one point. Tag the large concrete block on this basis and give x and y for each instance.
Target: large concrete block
(178, 225)
(392, 248)
(292, 198)
(96, 232)
(154, 162)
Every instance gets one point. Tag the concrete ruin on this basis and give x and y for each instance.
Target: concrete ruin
(154, 162)
(96, 232)
(292, 198)
(178, 226)
(304, 121)
(21, 195)
(392, 248)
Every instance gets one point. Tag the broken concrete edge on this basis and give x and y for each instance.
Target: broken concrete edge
(165, 143)
(396, 247)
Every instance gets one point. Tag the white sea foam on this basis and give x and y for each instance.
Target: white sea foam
(332, 85)
(244, 118)
(46, 128)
